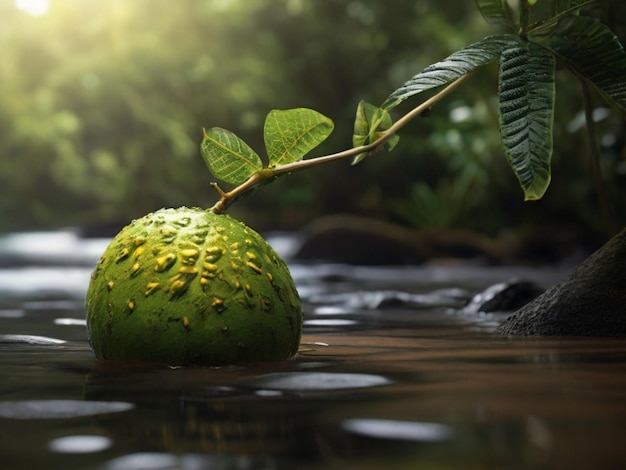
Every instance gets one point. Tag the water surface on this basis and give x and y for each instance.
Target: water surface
(390, 374)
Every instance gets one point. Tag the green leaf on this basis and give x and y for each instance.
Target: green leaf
(291, 134)
(592, 50)
(370, 122)
(494, 11)
(526, 93)
(453, 67)
(228, 157)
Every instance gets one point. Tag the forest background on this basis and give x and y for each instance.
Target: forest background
(102, 105)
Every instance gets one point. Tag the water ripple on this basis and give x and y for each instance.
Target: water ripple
(399, 430)
(30, 339)
(79, 444)
(315, 381)
(58, 409)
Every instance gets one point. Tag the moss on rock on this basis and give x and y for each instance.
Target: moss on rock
(591, 301)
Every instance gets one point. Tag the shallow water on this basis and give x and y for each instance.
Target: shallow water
(390, 373)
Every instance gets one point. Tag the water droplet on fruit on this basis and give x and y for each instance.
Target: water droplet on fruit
(168, 234)
(186, 269)
(151, 287)
(218, 305)
(189, 255)
(177, 287)
(139, 241)
(135, 270)
(164, 262)
(210, 267)
(183, 221)
(254, 267)
(213, 253)
(122, 255)
(199, 236)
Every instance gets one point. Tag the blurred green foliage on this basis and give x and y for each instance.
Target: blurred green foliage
(102, 105)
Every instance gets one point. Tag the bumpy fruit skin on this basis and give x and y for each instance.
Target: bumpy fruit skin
(189, 287)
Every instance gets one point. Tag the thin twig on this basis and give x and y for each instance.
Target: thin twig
(227, 198)
(604, 200)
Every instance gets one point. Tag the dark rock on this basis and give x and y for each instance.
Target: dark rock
(503, 297)
(591, 301)
(391, 299)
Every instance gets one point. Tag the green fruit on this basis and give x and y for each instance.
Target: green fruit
(190, 287)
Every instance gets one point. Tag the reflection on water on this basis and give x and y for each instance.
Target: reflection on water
(55, 409)
(390, 373)
(80, 444)
(312, 382)
(399, 430)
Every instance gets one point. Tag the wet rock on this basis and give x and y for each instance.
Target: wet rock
(391, 299)
(364, 241)
(591, 301)
(503, 297)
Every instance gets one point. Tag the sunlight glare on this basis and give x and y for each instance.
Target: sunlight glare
(33, 7)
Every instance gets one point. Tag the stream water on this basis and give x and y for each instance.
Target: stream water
(391, 373)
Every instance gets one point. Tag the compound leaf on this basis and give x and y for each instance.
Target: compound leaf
(592, 50)
(526, 93)
(291, 134)
(453, 67)
(228, 157)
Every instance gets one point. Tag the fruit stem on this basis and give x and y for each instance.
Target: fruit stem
(227, 198)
